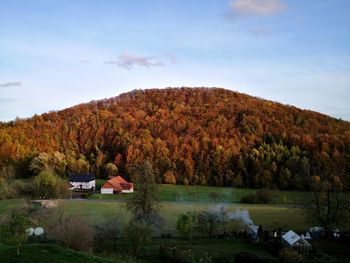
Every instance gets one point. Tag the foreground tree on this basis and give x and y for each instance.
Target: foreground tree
(144, 207)
(327, 207)
(108, 232)
(144, 204)
(13, 230)
(138, 234)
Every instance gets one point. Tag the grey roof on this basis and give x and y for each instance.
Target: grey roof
(78, 178)
(291, 237)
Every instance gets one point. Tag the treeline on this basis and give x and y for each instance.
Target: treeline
(191, 136)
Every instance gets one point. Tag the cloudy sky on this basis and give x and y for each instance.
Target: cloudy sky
(58, 53)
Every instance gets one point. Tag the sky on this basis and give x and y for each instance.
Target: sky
(58, 53)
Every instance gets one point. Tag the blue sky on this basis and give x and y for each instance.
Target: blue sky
(58, 53)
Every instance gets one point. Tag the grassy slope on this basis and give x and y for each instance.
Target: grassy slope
(268, 216)
(181, 193)
(204, 248)
(6, 205)
(34, 253)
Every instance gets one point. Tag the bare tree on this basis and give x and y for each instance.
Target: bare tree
(327, 208)
(108, 231)
(72, 230)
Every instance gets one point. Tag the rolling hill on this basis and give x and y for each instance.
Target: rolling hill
(202, 136)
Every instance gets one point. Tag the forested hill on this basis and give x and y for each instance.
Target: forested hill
(190, 135)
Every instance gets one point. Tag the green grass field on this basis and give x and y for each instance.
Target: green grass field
(96, 211)
(36, 253)
(182, 193)
(268, 216)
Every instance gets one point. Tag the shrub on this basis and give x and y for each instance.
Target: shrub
(264, 196)
(175, 254)
(48, 185)
(138, 234)
(6, 189)
(74, 232)
(185, 225)
(108, 233)
(287, 255)
(13, 230)
(261, 196)
(248, 199)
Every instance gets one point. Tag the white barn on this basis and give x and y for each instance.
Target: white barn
(82, 181)
(117, 185)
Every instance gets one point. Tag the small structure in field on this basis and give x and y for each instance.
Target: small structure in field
(294, 241)
(82, 181)
(117, 185)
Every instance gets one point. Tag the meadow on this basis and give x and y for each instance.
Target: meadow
(96, 211)
(34, 253)
(289, 215)
(190, 193)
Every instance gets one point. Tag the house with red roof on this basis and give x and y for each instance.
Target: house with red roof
(117, 185)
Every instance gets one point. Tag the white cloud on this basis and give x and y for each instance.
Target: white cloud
(128, 61)
(11, 84)
(258, 7)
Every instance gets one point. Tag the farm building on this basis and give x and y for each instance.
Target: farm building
(82, 181)
(117, 185)
(294, 241)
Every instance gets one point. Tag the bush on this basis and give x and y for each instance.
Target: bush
(24, 189)
(287, 255)
(186, 224)
(6, 189)
(248, 199)
(264, 196)
(175, 254)
(107, 234)
(261, 196)
(138, 234)
(48, 185)
(74, 232)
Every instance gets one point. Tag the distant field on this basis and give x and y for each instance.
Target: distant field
(270, 216)
(182, 193)
(266, 215)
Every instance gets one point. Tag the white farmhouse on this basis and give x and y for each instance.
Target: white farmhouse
(82, 181)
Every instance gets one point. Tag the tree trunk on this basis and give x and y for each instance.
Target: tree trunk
(17, 250)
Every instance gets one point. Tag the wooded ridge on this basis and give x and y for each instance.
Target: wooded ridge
(203, 136)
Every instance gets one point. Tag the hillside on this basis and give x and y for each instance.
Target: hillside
(191, 136)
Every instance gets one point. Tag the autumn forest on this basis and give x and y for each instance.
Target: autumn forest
(191, 136)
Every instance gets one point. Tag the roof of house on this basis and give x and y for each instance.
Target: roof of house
(81, 178)
(291, 237)
(118, 183)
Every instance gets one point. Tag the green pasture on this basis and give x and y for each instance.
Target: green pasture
(266, 215)
(182, 193)
(96, 211)
(35, 253)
